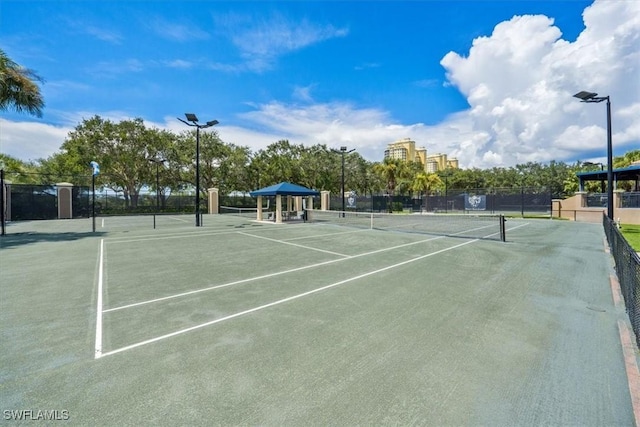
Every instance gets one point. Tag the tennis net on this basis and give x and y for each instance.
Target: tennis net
(471, 226)
(243, 212)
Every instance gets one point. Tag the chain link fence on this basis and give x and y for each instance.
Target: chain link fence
(510, 201)
(627, 264)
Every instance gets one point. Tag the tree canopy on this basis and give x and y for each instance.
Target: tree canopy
(133, 156)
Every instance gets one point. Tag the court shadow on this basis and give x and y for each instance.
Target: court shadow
(27, 238)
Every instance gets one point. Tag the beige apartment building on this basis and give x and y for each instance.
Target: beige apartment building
(405, 149)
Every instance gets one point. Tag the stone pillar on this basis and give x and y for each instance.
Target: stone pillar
(259, 215)
(309, 207)
(213, 201)
(324, 200)
(583, 198)
(65, 200)
(617, 203)
(278, 209)
(297, 203)
(556, 208)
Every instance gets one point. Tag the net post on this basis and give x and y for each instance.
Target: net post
(503, 236)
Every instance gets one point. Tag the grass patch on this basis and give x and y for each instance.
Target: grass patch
(631, 232)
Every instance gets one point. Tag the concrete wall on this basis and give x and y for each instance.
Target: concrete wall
(575, 209)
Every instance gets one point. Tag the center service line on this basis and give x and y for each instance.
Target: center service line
(281, 301)
(98, 353)
(293, 244)
(267, 276)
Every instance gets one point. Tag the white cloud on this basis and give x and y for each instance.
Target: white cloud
(519, 82)
(181, 32)
(30, 140)
(107, 35)
(262, 42)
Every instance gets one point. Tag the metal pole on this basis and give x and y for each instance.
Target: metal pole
(609, 163)
(343, 208)
(446, 193)
(93, 201)
(2, 202)
(157, 187)
(197, 176)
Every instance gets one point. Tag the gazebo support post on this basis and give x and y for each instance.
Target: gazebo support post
(278, 209)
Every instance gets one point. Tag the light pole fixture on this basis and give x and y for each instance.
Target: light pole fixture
(585, 96)
(192, 120)
(343, 151)
(157, 161)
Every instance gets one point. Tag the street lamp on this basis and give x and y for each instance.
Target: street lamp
(593, 97)
(192, 120)
(343, 151)
(157, 162)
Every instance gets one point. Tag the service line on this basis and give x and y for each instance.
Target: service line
(284, 300)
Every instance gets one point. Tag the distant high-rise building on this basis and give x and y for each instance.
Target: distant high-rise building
(405, 149)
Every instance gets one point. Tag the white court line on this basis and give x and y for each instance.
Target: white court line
(281, 301)
(266, 276)
(325, 235)
(279, 273)
(99, 311)
(179, 235)
(293, 244)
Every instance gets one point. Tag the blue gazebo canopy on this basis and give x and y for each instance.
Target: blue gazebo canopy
(284, 189)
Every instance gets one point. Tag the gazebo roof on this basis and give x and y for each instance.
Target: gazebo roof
(631, 173)
(284, 189)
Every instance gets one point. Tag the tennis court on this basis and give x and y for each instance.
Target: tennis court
(241, 322)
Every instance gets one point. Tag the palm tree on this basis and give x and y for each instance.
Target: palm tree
(18, 88)
(424, 182)
(389, 170)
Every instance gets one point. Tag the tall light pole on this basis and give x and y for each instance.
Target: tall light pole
(343, 151)
(192, 120)
(585, 96)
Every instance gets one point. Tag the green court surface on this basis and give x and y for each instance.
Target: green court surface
(246, 323)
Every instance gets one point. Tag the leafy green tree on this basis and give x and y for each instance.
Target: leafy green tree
(121, 149)
(17, 171)
(18, 88)
(281, 162)
(321, 168)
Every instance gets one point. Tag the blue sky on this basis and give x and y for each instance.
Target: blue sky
(487, 82)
